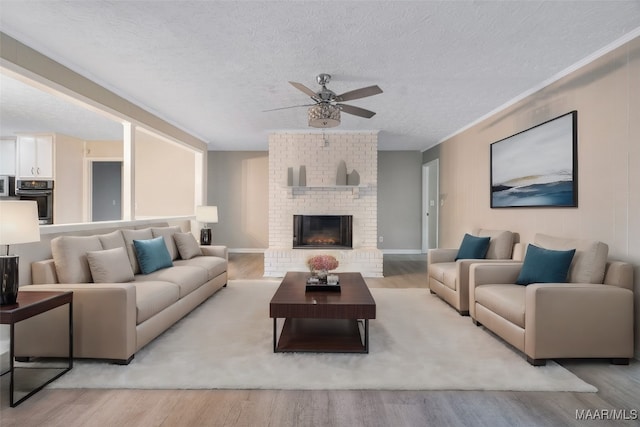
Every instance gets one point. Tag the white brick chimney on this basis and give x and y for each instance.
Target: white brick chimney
(321, 154)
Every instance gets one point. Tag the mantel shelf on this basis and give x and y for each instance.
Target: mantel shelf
(355, 189)
(320, 187)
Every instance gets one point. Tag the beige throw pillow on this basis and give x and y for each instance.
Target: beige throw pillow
(110, 266)
(70, 257)
(129, 237)
(187, 245)
(112, 240)
(167, 233)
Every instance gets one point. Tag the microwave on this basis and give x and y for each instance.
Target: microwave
(7, 186)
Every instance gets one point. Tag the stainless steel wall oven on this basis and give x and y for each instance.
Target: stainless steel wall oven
(40, 191)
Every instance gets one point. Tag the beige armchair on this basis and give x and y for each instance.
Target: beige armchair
(591, 316)
(449, 279)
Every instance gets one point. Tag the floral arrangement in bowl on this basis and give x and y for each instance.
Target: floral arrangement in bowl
(322, 263)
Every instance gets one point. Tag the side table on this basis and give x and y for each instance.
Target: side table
(30, 304)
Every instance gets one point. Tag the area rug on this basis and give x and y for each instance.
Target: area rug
(417, 342)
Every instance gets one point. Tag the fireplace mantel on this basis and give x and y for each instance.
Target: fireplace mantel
(321, 155)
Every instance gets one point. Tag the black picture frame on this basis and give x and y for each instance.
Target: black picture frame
(537, 167)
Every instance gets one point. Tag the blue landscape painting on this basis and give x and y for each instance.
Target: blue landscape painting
(558, 193)
(535, 167)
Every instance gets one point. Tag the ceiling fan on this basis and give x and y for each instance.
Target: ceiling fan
(325, 111)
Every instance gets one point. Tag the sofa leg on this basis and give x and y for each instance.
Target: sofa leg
(224, 286)
(23, 359)
(464, 312)
(431, 292)
(536, 362)
(620, 361)
(475, 322)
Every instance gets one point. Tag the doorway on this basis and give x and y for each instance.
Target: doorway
(430, 204)
(106, 190)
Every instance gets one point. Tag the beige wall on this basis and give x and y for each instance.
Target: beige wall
(109, 149)
(164, 178)
(606, 95)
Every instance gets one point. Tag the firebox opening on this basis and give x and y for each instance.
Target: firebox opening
(322, 231)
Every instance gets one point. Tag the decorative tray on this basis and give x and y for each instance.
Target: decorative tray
(322, 287)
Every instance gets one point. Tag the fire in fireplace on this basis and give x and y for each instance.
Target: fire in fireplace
(322, 231)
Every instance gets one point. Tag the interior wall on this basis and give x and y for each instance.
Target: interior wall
(400, 201)
(239, 186)
(605, 94)
(164, 178)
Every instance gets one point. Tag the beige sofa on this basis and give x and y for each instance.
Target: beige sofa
(449, 279)
(591, 316)
(127, 309)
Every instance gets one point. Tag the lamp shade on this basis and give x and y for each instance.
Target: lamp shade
(324, 116)
(207, 214)
(18, 222)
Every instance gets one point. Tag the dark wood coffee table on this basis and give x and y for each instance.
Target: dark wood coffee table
(322, 321)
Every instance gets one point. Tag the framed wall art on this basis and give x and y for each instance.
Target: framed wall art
(537, 167)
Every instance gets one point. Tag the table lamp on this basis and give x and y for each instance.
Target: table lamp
(207, 215)
(18, 224)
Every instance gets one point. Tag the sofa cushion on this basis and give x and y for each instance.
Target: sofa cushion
(500, 245)
(507, 301)
(110, 266)
(187, 245)
(445, 273)
(152, 254)
(214, 265)
(70, 257)
(154, 296)
(589, 262)
(112, 240)
(131, 235)
(167, 233)
(473, 247)
(545, 266)
(188, 278)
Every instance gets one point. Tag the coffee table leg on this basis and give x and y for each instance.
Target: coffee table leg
(366, 335)
(275, 343)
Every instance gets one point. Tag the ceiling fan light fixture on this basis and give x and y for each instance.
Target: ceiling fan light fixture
(324, 116)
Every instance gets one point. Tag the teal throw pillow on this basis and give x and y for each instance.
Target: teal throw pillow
(545, 266)
(473, 247)
(152, 254)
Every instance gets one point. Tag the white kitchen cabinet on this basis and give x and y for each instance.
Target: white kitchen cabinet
(35, 156)
(7, 156)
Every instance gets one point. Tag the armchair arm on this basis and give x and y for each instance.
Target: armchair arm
(219, 251)
(104, 323)
(578, 320)
(435, 256)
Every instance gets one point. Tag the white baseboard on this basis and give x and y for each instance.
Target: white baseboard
(401, 251)
(384, 251)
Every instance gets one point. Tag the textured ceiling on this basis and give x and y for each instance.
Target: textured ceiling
(212, 67)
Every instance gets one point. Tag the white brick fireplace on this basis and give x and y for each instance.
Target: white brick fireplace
(321, 155)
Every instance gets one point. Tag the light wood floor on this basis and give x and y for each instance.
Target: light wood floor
(619, 389)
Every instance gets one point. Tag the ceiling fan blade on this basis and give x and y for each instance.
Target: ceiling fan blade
(285, 108)
(356, 111)
(358, 93)
(303, 88)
